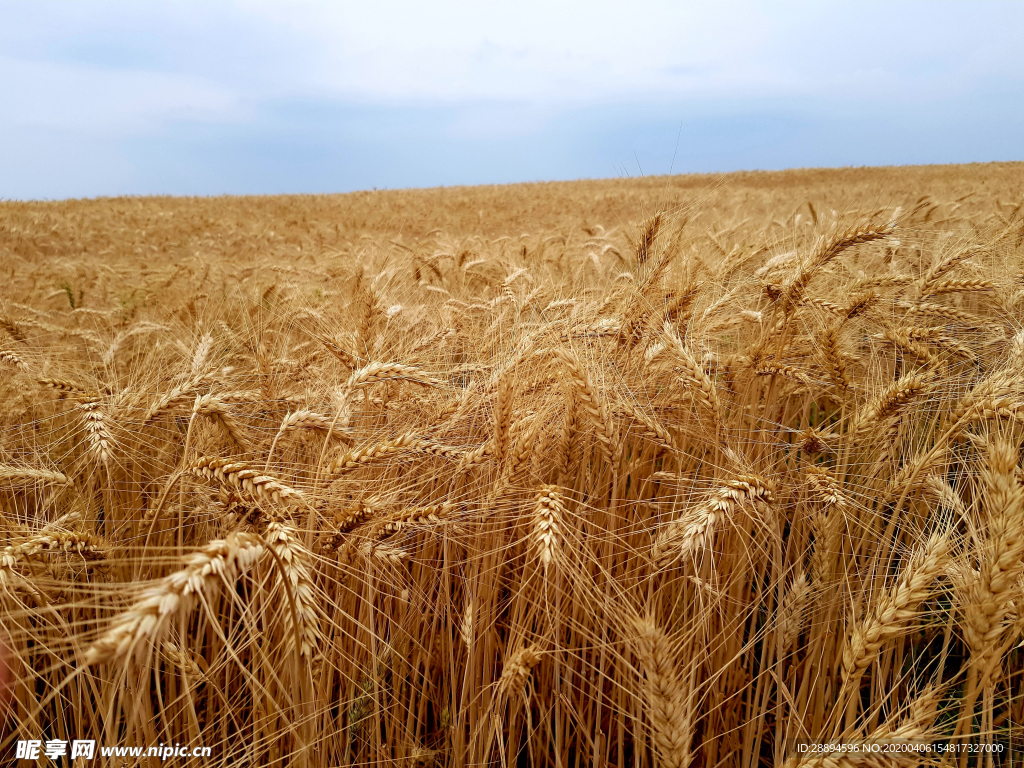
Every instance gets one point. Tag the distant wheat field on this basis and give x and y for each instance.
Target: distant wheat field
(675, 471)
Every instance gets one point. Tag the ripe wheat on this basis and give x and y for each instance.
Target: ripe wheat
(390, 478)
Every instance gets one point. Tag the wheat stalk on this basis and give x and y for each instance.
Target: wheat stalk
(466, 625)
(29, 474)
(358, 457)
(895, 608)
(826, 522)
(693, 533)
(193, 667)
(98, 436)
(221, 562)
(303, 419)
(502, 413)
(202, 351)
(566, 435)
(648, 234)
(10, 358)
(653, 429)
(697, 383)
(389, 554)
(66, 388)
(396, 521)
(790, 613)
(827, 250)
(515, 673)
(958, 286)
(311, 420)
(547, 519)
(81, 543)
(588, 398)
(375, 373)
(215, 408)
(835, 362)
(242, 477)
(669, 705)
(890, 403)
(302, 624)
(1001, 561)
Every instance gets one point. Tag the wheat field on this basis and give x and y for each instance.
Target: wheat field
(675, 471)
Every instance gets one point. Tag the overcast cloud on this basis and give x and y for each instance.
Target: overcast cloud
(260, 97)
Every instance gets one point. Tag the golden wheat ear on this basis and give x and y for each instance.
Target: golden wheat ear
(668, 694)
(149, 619)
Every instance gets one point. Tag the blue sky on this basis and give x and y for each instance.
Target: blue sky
(257, 97)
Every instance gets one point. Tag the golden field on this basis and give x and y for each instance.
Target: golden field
(657, 472)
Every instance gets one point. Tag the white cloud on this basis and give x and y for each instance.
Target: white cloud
(204, 61)
(588, 52)
(529, 50)
(105, 101)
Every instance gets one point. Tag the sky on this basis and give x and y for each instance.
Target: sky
(208, 98)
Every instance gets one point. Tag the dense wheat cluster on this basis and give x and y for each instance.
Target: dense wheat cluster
(659, 472)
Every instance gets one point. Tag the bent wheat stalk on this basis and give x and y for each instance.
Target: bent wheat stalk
(891, 613)
(694, 532)
(219, 563)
